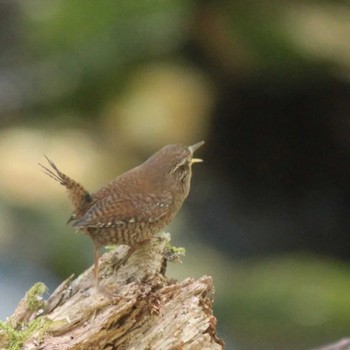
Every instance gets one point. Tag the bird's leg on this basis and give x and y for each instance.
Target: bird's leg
(104, 290)
(96, 262)
(130, 251)
(133, 248)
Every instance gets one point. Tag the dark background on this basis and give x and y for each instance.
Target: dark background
(99, 86)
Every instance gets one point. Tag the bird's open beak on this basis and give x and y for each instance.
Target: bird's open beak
(196, 160)
(193, 148)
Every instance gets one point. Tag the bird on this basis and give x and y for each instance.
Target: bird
(134, 206)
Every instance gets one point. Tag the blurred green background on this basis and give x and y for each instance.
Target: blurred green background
(98, 86)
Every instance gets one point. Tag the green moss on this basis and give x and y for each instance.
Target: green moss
(13, 337)
(34, 296)
(10, 338)
(178, 250)
(173, 254)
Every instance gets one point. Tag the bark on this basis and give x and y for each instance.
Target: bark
(142, 309)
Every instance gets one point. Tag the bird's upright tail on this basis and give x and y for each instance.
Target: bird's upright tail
(79, 197)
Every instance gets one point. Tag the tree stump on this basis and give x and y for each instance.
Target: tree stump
(146, 311)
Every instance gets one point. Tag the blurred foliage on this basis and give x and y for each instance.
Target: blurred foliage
(98, 86)
(291, 302)
(79, 53)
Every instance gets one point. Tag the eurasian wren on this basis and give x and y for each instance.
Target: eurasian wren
(135, 205)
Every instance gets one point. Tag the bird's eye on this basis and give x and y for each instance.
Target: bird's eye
(180, 167)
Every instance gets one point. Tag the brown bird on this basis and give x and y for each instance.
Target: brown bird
(135, 205)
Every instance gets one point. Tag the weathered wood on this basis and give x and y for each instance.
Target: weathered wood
(343, 344)
(142, 310)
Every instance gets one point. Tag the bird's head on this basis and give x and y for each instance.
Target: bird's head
(173, 165)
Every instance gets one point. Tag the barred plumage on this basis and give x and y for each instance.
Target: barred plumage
(135, 205)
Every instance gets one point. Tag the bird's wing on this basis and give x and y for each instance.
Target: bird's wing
(136, 207)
